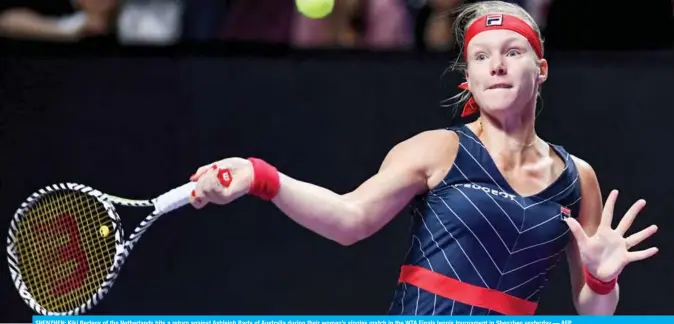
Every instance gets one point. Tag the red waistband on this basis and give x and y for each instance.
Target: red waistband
(465, 293)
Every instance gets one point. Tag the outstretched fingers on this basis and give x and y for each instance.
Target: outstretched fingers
(628, 219)
(636, 238)
(641, 255)
(607, 213)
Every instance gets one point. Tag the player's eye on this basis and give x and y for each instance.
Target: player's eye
(513, 52)
(480, 56)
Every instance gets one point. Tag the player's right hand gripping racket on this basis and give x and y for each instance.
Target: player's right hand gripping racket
(66, 245)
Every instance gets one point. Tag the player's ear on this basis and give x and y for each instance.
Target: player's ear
(542, 71)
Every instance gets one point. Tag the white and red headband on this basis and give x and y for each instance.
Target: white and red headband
(496, 22)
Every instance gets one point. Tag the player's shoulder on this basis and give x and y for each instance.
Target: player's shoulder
(429, 141)
(586, 174)
(427, 149)
(590, 191)
(585, 170)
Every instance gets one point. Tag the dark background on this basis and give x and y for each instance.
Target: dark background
(136, 124)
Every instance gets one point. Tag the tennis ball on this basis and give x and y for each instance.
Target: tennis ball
(104, 230)
(315, 9)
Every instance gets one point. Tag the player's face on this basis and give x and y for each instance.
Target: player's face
(503, 72)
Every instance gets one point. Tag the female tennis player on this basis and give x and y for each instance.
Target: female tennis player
(495, 206)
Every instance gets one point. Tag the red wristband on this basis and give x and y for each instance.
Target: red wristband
(266, 181)
(598, 286)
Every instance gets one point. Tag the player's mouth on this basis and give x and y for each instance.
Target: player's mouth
(500, 86)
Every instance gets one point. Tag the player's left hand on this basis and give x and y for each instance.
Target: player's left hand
(607, 252)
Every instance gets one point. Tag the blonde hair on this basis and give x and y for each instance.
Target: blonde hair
(467, 14)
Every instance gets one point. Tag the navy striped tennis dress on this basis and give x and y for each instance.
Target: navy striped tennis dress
(479, 248)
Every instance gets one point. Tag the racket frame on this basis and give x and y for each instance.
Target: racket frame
(163, 204)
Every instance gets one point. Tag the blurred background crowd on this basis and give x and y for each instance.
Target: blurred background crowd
(368, 24)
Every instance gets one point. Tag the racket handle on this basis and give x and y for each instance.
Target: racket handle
(175, 198)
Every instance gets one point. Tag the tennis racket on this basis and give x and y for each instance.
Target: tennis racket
(66, 245)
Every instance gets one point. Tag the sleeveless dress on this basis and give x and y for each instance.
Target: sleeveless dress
(479, 248)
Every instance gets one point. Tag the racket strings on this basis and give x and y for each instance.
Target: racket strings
(62, 256)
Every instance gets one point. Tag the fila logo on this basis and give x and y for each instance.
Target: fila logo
(566, 212)
(494, 20)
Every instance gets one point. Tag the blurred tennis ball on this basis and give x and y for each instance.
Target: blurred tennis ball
(315, 9)
(104, 231)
